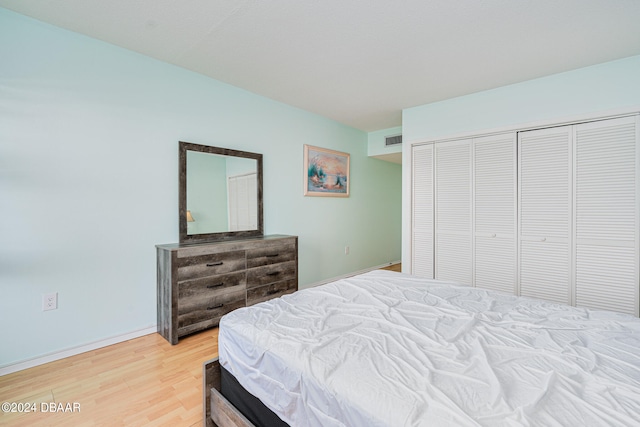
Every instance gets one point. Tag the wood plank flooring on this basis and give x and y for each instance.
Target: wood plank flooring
(393, 267)
(141, 382)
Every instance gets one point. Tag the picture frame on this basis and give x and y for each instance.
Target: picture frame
(326, 172)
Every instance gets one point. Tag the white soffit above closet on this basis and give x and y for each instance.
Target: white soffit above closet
(359, 62)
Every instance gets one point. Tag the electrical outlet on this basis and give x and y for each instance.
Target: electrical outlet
(49, 301)
(346, 250)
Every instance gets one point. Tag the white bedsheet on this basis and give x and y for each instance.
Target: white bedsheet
(389, 349)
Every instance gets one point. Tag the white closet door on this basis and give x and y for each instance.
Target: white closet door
(242, 202)
(453, 236)
(422, 211)
(606, 229)
(495, 203)
(545, 182)
(232, 203)
(252, 201)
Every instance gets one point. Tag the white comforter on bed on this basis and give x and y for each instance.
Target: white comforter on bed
(390, 349)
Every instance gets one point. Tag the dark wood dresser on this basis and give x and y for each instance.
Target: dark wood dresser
(200, 282)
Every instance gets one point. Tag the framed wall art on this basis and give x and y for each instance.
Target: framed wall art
(326, 172)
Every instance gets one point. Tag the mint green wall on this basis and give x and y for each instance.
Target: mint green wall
(89, 183)
(376, 141)
(239, 166)
(207, 193)
(599, 88)
(606, 88)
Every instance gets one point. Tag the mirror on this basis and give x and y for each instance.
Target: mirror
(220, 193)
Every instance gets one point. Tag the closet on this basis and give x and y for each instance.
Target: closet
(547, 213)
(242, 201)
(495, 202)
(453, 230)
(545, 174)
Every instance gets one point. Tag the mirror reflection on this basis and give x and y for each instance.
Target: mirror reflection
(222, 193)
(219, 193)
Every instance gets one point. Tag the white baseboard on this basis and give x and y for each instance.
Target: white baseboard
(30, 363)
(344, 276)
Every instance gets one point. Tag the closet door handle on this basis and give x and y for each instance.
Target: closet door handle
(214, 264)
(217, 285)
(213, 307)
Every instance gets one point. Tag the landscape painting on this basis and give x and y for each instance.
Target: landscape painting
(326, 172)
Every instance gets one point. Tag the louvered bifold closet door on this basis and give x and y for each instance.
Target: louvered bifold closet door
(252, 201)
(232, 203)
(606, 191)
(545, 182)
(495, 187)
(422, 211)
(243, 202)
(453, 236)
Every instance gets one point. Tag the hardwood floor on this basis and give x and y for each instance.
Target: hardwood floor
(394, 267)
(141, 382)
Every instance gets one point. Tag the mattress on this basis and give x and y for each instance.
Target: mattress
(391, 349)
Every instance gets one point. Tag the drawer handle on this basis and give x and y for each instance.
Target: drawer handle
(214, 264)
(213, 307)
(272, 255)
(272, 292)
(217, 285)
(274, 273)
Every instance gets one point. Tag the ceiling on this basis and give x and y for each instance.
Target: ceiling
(359, 62)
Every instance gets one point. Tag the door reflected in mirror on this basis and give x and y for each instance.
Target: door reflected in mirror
(222, 193)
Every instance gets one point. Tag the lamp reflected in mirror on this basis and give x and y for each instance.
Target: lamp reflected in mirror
(189, 217)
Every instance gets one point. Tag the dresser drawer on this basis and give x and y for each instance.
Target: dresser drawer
(194, 267)
(272, 254)
(209, 286)
(198, 283)
(195, 314)
(274, 290)
(270, 274)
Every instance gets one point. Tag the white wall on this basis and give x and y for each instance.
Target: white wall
(89, 183)
(606, 88)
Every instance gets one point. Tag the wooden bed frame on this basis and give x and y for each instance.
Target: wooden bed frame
(218, 411)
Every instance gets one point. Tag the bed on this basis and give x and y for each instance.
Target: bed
(391, 349)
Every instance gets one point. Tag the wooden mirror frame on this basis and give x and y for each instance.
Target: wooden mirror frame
(183, 147)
